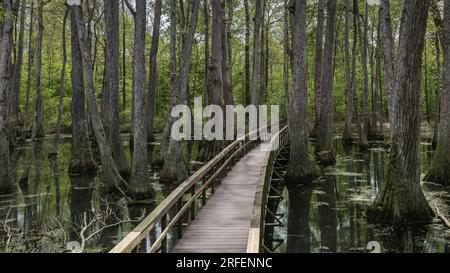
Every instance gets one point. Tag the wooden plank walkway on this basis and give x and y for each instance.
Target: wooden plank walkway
(223, 225)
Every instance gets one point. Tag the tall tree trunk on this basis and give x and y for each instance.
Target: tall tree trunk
(262, 73)
(325, 151)
(247, 80)
(140, 186)
(175, 168)
(363, 37)
(38, 131)
(62, 89)
(29, 69)
(227, 53)
(6, 182)
(17, 79)
(440, 170)
(205, 148)
(347, 136)
(400, 199)
(302, 169)
(112, 73)
(256, 53)
(318, 60)
(425, 85)
(376, 124)
(216, 74)
(109, 169)
(153, 68)
(286, 42)
(173, 84)
(387, 42)
(437, 107)
(207, 49)
(363, 143)
(81, 161)
(124, 57)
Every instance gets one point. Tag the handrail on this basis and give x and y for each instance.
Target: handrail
(255, 243)
(209, 174)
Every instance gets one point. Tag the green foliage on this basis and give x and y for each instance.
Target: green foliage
(52, 62)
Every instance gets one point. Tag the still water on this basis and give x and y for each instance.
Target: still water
(50, 211)
(328, 216)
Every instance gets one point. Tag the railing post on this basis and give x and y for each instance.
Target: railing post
(180, 221)
(194, 202)
(163, 227)
(204, 191)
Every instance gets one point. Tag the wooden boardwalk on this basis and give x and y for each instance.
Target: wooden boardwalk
(223, 224)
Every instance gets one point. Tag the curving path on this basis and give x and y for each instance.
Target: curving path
(223, 225)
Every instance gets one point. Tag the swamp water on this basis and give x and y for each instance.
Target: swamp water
(329, 215)
(52, 212)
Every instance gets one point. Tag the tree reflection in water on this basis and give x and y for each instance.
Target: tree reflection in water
(329, 215)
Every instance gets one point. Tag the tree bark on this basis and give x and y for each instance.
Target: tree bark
(17, 78)
(247, 80)
(112, 73)
(400, 199)
(140, 186)
(387, 41)
(207, 49)
(325, 152)
(301, 169)
(363, 143)
(227, 53)
(173, 84)
(347, 136)
(81, 161)
(286, 42)
(255, 100)
(38, 131)
(30, 65)
(6, 182)
(440, 170)
(363, 38)
(318, 60)
(124, 58)
(153, 68)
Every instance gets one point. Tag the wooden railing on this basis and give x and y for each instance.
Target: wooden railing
(182, 205)
(255, 242)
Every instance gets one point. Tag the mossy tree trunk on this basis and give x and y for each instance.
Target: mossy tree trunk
(140, 185)
(325, 151)
(302, 168)
(400, 199)
(81, 161)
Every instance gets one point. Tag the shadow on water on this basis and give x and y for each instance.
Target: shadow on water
(329, 214)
